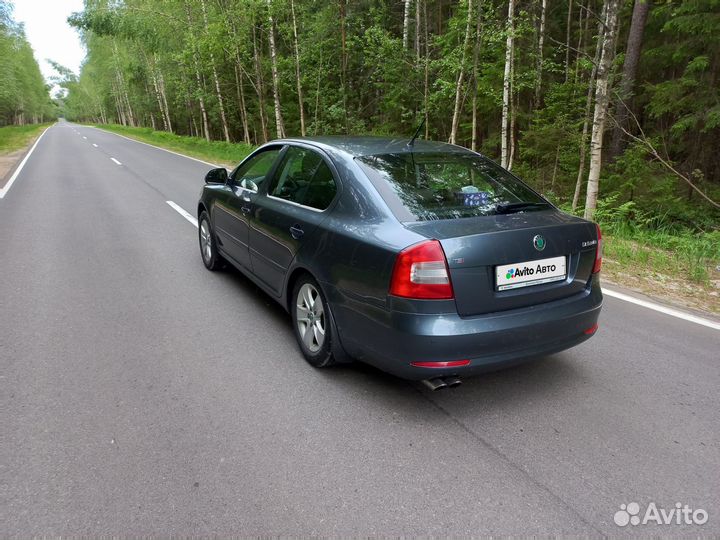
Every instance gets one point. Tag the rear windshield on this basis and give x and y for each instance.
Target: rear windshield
(445, 186)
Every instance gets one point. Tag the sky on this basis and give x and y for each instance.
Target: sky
(49, 33)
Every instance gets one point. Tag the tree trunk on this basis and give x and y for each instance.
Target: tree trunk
(343, 60)
(601, 107)
(297, 69)
(426, 89)
(156, 88)
(568, 31)
(198, 79)
(221, 105)
(406, 24)
(239, 73)
(279, 124)
(510, 44)
(476, 54)
(163, 97)
(541, 38)
(241, 102)
(417, 33)
(259, 87)
(630, 67)
(588, 108)
(461, 75)
(513, 110)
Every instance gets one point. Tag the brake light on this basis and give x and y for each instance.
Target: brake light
(590, 331)
(598, 252)
(421, 272)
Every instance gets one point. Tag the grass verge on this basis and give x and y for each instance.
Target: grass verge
(681, 268)
(222, 153)
(14, 138)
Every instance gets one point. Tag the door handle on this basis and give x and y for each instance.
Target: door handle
(296, 232)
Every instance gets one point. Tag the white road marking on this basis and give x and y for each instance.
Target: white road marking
(95, 145)
(84, 137)
(662, 309)
(158, 147)
(180, 210)
(5, 189)
(116, 161)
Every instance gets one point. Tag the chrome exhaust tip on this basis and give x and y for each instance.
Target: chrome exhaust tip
(435, 384)
(453, 382)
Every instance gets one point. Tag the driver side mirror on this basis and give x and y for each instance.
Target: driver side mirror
(216, 176)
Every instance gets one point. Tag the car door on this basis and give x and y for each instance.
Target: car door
(233, 206)
(287, 213)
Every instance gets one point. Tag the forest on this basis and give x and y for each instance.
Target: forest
(608, 107)
(24, 94)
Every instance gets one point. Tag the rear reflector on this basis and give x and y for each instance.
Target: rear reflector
(421, 272)
(452, 363)
(598, 252)
(592, 329)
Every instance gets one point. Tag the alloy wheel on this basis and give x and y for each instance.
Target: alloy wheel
(310, 316)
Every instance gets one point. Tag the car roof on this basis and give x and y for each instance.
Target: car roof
(368, 145)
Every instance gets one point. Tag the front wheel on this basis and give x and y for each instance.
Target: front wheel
(311, 322)
(208, 247)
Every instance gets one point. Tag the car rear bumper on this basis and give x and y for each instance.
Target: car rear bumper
(392, 340)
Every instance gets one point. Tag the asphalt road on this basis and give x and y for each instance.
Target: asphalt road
(142, 394)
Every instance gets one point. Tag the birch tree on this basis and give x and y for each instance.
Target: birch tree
(218, 93)
(541, 39)
(509, 50)
(461, 74)
(297, 69)
(588, 111)
(406, 24)
(601, 106)
(279, 123)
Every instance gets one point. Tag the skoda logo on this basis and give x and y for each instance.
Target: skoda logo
(539, 242)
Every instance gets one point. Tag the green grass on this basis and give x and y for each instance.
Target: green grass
(16, 137)
(219, 152)
(685, 256)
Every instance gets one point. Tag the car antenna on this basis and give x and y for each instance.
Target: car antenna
(417, 132)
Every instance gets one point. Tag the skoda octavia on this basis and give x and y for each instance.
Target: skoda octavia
(424, 259)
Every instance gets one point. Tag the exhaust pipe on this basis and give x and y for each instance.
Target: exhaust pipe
(438, 383)
(452, 382)
(435, 384)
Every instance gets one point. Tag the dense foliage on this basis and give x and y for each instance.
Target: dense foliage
(24, 96)
(515, 78)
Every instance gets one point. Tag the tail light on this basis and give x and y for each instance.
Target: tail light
(421, 272)
(598, 252)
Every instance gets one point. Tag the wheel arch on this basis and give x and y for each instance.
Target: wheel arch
(296, 274)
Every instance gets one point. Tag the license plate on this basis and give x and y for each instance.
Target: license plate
(524, 274)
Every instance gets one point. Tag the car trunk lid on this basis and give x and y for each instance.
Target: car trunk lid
(509, 261)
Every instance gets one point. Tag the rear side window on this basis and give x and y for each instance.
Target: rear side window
(304, 178)
(429, 186)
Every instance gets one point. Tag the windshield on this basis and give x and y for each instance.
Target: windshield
(429, 186)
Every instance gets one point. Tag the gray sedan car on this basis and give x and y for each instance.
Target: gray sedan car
(424, 259)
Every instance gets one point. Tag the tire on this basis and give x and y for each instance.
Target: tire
(208, 246)
(312, 324)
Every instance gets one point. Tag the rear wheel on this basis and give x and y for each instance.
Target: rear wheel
(208, 247)
(311, 322)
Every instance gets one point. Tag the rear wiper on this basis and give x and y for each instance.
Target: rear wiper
(511, 208)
